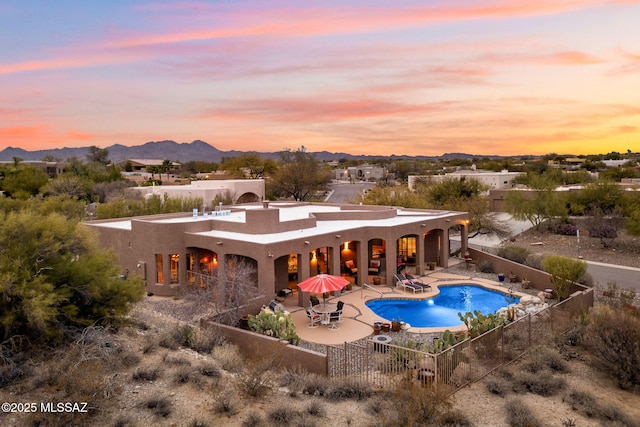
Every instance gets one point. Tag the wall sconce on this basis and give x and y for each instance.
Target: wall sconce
(346, 246)
(218, 243)
(466, 221)
(447, 220)
(313, 255)
(306, 242)
(423, 225)
(338, 236)
(270, 255)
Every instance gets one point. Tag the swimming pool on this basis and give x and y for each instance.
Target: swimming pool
(442, 310)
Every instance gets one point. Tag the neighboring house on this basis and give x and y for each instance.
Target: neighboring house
(489, 178)
(235, 190)
(142, 165)
(50, 168)
(360, 173)
(286, 242)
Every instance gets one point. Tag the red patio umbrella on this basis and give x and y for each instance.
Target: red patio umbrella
(322, 283)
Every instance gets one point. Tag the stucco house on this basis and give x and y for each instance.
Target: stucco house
(286, 242)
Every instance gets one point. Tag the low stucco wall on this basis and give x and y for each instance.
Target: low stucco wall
(540, 280)
(261, 346)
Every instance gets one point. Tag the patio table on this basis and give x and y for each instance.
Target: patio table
(325, 311)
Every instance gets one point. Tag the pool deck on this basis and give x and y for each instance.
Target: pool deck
(358, 319)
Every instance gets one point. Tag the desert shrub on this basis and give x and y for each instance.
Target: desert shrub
(316, 409)
(255, 378)
(146, 374)
(519, 414)
(485, 266)
(160, 406)
(514, 253)
(198, 423)
(203, 340)
(588, 405)
(613, 336)
(416, 405)
(149, 345)
(129, 358)
(176, 337)
(229, 357)
(535, 261)
(543, 358)
(170, 359)
(348, 388)
(253, 419)
(184, 375)
(282, 415)
(542, 383)
(208, 369)
(313, 387)
(454, 418)
(498, 386)
(567, 230)
(225, 401)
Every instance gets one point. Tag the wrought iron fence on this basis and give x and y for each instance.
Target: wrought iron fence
(383, 365)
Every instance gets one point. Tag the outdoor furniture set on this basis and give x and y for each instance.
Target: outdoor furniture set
(410, 283)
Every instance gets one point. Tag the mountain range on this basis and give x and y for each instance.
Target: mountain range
(188, 151)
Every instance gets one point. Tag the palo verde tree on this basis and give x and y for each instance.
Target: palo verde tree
(299, 175)
(54, 279)
(564, 272)
(539, 204)
(249, 165)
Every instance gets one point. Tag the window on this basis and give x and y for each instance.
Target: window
(174, 262)
(159, 277)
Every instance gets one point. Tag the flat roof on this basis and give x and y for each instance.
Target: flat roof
(288, 212)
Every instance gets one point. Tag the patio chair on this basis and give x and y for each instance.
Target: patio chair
(314, 317)
(351, 267)
(374, 267)
(336, 317)
(314, 300)
(405, 283)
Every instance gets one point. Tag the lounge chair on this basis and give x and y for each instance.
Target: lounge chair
(414, 281)
(314, 317)
(407, 284)
(374, 267)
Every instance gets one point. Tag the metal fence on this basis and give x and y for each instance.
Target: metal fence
(383, 365)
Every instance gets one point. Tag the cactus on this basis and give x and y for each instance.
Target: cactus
(478, 323)
(277, 325)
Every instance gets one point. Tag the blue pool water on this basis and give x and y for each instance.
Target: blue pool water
(442, 310)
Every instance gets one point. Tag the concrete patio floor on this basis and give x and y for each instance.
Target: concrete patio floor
(358, 319)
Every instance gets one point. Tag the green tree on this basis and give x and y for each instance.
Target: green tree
(249, 165)
(98, 155)
(564, 272)
(166, 167)
(23, 182)
(299, 175)
(539, 204)
(53, 278)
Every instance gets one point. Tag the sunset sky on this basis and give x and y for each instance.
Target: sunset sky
(364, 77)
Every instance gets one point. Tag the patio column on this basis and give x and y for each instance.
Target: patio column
(464, 237)
(363, 264)
(420, 254)
(303, 273)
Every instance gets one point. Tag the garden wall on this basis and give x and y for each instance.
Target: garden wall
(261, 346)
(540, 280)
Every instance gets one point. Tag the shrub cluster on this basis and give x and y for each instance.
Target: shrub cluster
(567, 230)
(514, 253)
(613, 336)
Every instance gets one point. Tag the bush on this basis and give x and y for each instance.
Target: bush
(282, 415)
(485, 267)
(535, 261)
(519, 414)
(225, 401)
(316, 409)
(613, 336)
(567, 230)
(347, 388)
(514, 253)
(542, 383)
(253, 419)
(497, 386)
(586, 404)
(146, 374)
(161, 406)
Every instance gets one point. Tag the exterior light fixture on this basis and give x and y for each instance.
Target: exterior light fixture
(218, 243)
(338, 236)
(423, 225)
(306, 242)
(270, 255)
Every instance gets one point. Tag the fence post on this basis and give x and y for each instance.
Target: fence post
(344, 360)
